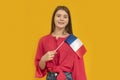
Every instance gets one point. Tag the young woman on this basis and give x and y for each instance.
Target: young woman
(59, 63)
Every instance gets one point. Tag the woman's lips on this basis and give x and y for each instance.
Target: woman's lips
(61, 23)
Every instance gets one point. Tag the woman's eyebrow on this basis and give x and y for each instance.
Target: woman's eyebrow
(61, 14)
(58, 14)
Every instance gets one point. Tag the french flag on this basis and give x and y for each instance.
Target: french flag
(76, 45)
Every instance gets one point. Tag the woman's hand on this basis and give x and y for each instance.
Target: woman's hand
(49, 56)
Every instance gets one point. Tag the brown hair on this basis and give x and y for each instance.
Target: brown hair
(68, 28)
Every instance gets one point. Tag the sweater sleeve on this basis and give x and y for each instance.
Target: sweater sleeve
(40, 52)
(78, 72)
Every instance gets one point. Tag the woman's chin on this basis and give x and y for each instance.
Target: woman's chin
(61, 26)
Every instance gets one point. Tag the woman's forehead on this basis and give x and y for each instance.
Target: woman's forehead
(62, 12)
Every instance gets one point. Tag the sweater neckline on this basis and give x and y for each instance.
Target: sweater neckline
(59, 37)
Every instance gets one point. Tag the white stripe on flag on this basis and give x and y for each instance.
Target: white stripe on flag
(76, 44)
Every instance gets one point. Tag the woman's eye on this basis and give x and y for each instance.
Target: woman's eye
(58, 15)
(65, 16)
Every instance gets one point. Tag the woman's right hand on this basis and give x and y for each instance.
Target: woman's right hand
(48, 56)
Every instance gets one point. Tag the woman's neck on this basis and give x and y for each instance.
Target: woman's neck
(60, 33)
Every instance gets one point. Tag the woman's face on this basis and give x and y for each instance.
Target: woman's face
(61, 19)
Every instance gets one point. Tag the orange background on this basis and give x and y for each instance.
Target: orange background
(23, 22)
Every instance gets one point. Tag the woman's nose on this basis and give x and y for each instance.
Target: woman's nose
(61, 18)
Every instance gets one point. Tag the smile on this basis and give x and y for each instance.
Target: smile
(60, 22)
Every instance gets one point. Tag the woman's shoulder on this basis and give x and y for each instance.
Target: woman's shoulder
(45, 37)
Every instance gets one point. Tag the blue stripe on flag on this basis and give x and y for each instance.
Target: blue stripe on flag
(70, 39)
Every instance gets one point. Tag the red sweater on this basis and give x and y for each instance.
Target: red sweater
(65, 59)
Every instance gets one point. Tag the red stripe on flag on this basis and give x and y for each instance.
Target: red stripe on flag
(81, 51)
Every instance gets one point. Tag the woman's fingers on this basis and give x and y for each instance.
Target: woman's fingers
(53, 52)
(50, 55)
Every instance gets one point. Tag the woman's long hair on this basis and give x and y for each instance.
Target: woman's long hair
(68, 28)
